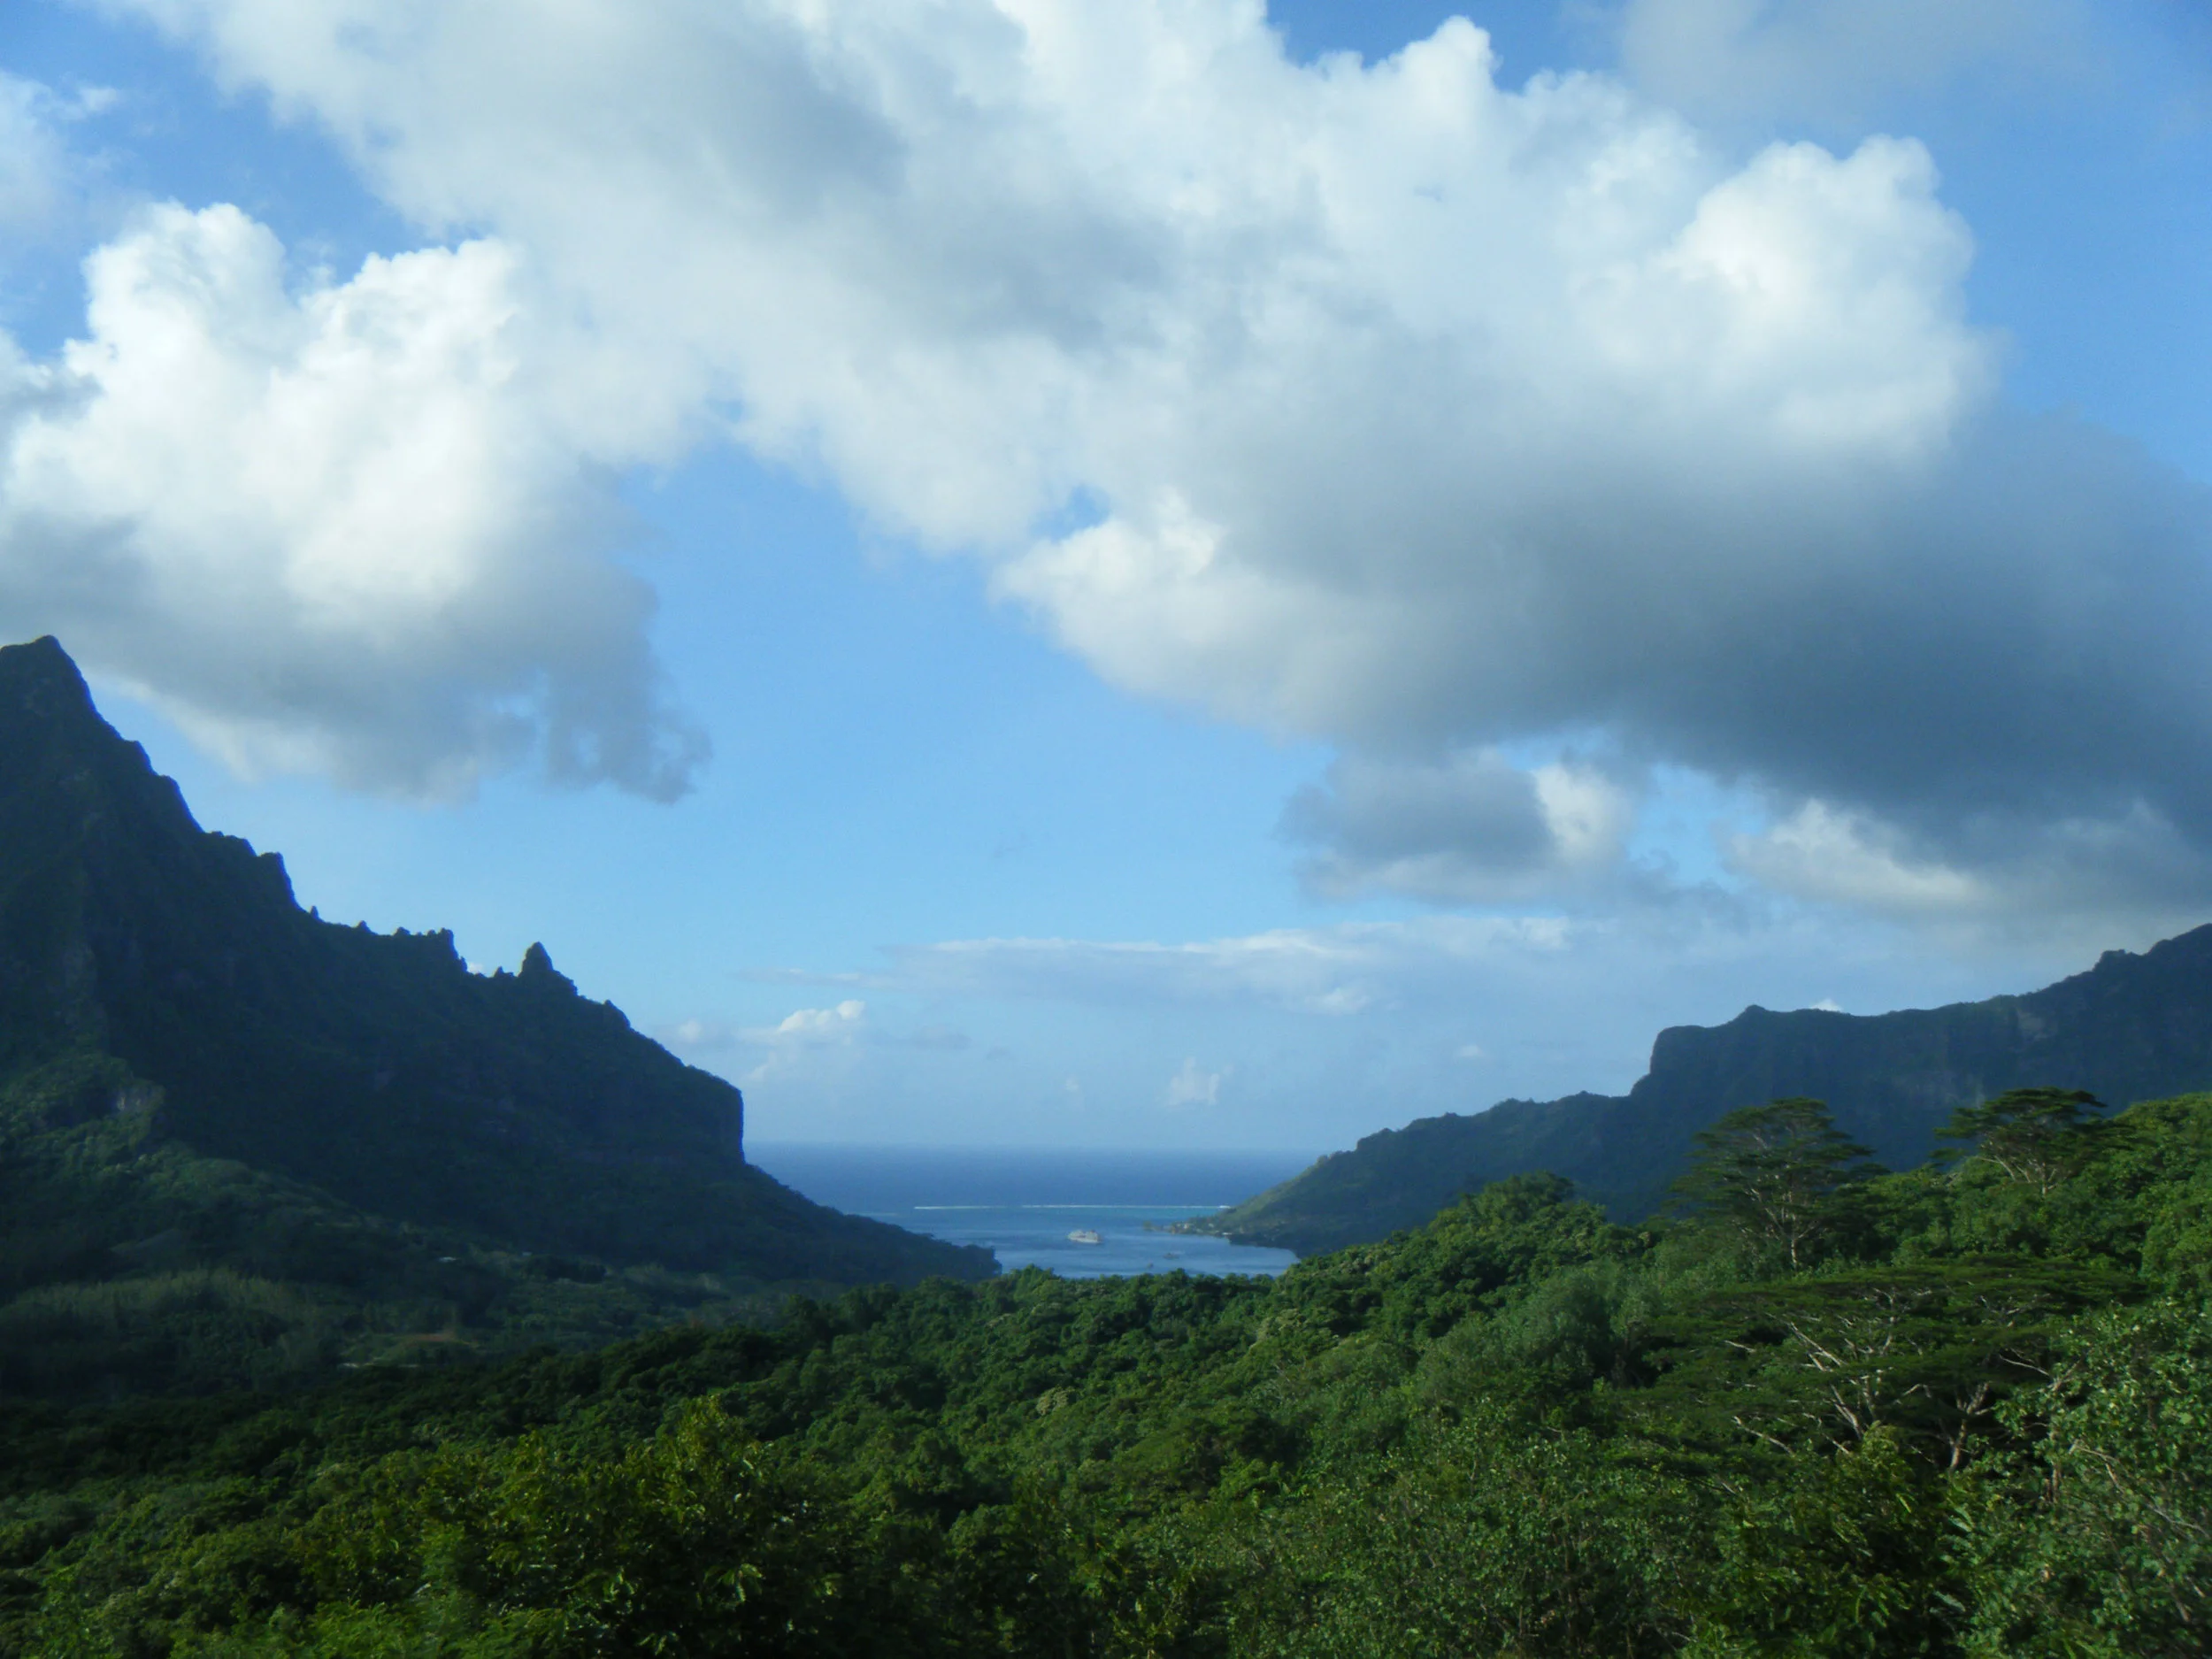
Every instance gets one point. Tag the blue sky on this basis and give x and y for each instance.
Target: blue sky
(1077, 574)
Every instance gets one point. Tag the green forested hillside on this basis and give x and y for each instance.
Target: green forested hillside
(2132, 1027)
(131, 1263)
(1976, 1417)
(227, 1127)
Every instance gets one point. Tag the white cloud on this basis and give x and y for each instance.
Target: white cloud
(1473, 827)
(1818, 853)
(817, 1025)
(801, 1039)
(1553, 387)
(1993, 879)
(805, 1038)
(1423, 416)
(329, 531)
(1191, 1085)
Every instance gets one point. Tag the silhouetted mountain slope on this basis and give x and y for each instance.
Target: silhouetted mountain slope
(2131, 1028)
(148, 967)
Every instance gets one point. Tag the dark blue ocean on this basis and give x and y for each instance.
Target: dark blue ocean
(1022, 1203)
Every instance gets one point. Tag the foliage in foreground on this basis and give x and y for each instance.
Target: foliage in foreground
(1975, 1419)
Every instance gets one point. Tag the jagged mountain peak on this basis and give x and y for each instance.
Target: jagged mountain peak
(40, 681)
(72, 787)
(375, 1066)
(538, 970)
(51, 736)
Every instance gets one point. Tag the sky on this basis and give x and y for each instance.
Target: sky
(1142, 572)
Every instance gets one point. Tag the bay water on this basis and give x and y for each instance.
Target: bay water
(1023, 1203)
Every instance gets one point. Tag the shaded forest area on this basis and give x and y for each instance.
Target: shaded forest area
(1974, 1417)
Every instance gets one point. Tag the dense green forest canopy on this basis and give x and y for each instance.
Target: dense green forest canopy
(1974, 1417)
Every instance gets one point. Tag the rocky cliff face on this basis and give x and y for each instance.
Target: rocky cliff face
(375, 1066)
(2133, 1027)
(2130, 1028)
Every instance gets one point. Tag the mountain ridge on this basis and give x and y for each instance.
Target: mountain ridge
(2132, 1027)
(162, 992)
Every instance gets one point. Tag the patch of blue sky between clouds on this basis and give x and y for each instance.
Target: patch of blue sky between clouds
(1085, 509)
(1686, 823)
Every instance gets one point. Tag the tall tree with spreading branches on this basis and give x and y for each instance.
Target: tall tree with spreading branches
(2039, 1136)
(1774, 1171)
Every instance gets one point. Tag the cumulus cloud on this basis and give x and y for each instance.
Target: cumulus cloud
(817, 1025)
(1472, 827)
(845, 1027)
(1193, 1085)
(1822, 853)
(330, 530)
(698, 1036)
(1419, 414)
(805, 1037)
(2133, 870)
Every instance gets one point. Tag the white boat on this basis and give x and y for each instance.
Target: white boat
(1084, 1235)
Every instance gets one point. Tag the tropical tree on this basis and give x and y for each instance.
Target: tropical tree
(2104, 1550)
(2037, 1136)
(1773, 1171)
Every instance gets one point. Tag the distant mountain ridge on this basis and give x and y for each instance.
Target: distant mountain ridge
(149, 968)
(2131, 1028)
